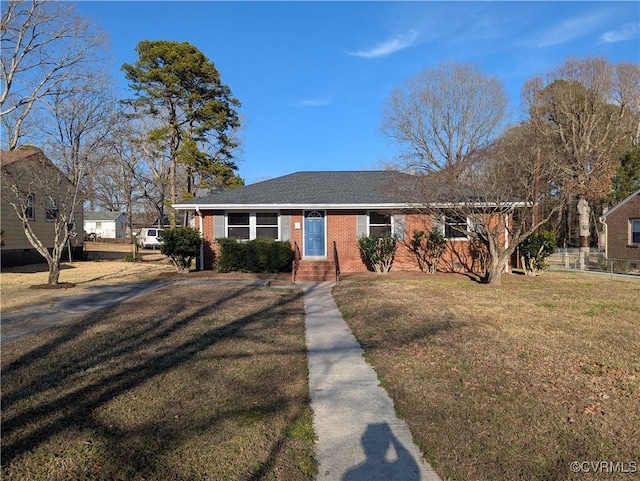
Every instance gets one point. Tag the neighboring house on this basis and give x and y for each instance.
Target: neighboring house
(622, 233)
(42, 186)
(323, 214)
(106, 224)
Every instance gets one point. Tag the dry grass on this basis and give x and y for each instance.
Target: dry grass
(183, 383)
(507, 383)
(16, 283)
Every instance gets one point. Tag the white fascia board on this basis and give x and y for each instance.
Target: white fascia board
(618, 205)
(447, 205)
(290, 206)
(477, 205)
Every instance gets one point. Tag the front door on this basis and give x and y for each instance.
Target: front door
(314, 233)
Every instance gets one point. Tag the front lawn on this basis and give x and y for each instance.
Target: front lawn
(508, 383)
(184, 383)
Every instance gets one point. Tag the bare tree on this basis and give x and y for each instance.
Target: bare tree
(495, 202)
(153, 178)
(52, 62)
(444, 114)
(28, 176)
(126, 177)
(79, 126)
(573, 109)
(626, 86)
(82, 120)
(45, 47)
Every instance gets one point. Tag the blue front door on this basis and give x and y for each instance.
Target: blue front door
(314, 233)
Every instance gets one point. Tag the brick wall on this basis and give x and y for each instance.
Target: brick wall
(619, 231)
(342, 228)
(207, 237)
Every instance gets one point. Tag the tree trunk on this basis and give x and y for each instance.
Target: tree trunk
(173, 192)
(494, 272)
(497, 260)
(54, 271)
(52, 258)
(584, 213)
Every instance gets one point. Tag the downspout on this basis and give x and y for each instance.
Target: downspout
(506, 241)
(200, 227)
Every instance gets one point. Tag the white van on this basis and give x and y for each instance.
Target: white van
(149, 237)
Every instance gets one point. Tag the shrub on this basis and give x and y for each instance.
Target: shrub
(428, 249)
(181, 245)
(131, 258)
(259, 255)
(378, 252)
(535, 249)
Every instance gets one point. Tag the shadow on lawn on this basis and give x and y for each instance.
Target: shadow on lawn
(140, 354)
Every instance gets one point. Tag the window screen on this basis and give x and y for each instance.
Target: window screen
(238, 225)
(267, 225)
(379, 224)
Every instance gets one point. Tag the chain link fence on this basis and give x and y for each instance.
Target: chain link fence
(595, 261)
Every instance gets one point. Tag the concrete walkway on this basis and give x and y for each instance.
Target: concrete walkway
(360, 437)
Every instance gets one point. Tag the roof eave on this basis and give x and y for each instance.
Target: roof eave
(326, 206)
(367, 206)
(603, 217)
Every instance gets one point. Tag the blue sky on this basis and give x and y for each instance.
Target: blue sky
(313, 77)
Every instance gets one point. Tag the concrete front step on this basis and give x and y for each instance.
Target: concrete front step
(318, 271)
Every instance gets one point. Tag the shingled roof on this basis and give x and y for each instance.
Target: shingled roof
(355, 189)
(106, 215)
(10, 156)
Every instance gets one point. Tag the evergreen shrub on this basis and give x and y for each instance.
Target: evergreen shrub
(258, 255)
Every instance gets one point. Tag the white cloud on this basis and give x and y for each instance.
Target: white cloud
(389, 46)
(567, 31)
(627, 31)
(319, 102)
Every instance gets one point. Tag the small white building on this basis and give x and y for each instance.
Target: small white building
(106, 224)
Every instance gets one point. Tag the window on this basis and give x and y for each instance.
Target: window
(267, 225)
(455, 227)
(379, 224)
(252, 225)
(635, 231)
(29, 211)
(50, 209)
(238, 225)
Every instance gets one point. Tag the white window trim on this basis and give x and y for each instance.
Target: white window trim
(391, 221)
(631, 231)
(53, 203)
(460, 237)
(30, 204)
(252, 222)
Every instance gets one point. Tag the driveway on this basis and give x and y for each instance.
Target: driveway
(39, 317)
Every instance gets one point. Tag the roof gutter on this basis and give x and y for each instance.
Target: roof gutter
(447, 205)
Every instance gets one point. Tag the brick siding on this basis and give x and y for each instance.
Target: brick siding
(342, 228)
(619, 244)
